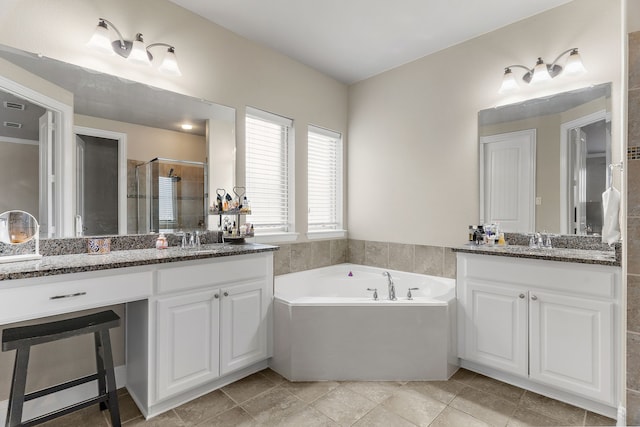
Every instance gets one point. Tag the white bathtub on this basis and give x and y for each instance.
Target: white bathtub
(328, 327)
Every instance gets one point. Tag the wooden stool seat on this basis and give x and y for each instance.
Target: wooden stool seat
(22, 338)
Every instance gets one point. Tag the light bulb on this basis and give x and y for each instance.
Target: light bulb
(170, 63)
(100, 40)
(540, 72)
(509, 82)
(139, 53)
(574, 65)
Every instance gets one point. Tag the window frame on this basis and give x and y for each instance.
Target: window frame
(339, 231)
(290, 234)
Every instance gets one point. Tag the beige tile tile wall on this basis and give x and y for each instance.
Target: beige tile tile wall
(632, 168)
(431, 260)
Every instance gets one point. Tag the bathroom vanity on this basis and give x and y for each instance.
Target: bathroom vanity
(196, 319)
(547, 320)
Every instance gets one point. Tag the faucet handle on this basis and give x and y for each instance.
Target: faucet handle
(409, 295)
(375, 293)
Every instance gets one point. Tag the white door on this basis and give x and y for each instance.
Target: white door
(507, 180)
(496, 326)
(187, 341)
(243, 332)
(80, 150)
(578, 162)
(47, 178)
(572, 344)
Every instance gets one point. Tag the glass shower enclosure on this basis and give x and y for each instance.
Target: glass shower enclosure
(172, 196)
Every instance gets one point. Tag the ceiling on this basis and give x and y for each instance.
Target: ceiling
(356, 39)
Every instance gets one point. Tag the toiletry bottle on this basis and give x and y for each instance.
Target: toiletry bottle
(471, 233)
(161, 242)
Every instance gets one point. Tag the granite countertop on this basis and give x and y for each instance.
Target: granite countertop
(583, 256)
(77, 263)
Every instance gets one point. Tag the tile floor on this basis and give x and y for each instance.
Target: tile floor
(266, 399)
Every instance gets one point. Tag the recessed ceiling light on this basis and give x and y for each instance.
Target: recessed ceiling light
(187, 126)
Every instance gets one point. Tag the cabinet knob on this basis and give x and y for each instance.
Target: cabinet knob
(534, 298)
(216, 296)
(226, 294)
(521, 296)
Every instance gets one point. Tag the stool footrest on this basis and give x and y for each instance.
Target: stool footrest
(64, 411)
(63, 386)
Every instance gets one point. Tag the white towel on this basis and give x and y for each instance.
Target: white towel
(611, 217)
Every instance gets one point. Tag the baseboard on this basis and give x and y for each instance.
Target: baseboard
(55, 401)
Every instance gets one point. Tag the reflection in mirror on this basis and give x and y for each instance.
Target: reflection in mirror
(543, 162)
(17, 227)
(171, 196)
(148, 121)
(19, 237)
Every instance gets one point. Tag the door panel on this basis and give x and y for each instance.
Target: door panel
(496, 327)
(507, 187)
(572, 344)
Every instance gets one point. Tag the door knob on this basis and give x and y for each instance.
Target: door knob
(226, 294)
(534, 298)
(521, 296)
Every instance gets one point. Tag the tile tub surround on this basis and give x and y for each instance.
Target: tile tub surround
(267, 399)
(632, 170)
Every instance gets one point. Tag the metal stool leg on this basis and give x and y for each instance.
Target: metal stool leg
(102, 388)
(18, 384)
(111, 378)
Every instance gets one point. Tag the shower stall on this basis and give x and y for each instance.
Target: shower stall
(171, 195)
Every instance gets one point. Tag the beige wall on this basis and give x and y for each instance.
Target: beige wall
(413, 147)
(145, 143)
(216, 64)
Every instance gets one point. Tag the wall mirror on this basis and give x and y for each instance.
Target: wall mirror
(116, 124)
(544, 162)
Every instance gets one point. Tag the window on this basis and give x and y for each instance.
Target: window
(269, 173)
(166, 200)
(324, 180)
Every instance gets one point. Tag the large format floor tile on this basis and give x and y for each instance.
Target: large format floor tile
(267, 399)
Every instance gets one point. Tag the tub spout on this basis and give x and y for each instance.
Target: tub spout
(392, 286)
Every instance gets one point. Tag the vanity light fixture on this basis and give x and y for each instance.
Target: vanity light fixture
(543, 72)
(134, 51)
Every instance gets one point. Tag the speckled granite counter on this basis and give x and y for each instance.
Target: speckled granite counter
(601, 257)
(77, 263)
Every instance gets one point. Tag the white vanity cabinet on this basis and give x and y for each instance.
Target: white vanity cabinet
(187, 333)
(544, 325)
(206, 322)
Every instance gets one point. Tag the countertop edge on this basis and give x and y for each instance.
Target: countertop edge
(32, 269)
(577, 255)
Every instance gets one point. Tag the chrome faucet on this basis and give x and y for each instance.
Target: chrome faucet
(392, 286)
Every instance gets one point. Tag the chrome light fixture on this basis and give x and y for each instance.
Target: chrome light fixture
(133, 51)
(543, 72)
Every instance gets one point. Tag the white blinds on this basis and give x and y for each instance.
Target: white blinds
(267, 170)
(324, 179)
(166, 199)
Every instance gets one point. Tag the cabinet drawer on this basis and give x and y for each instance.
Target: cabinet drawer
(211, 273)
(47, 299)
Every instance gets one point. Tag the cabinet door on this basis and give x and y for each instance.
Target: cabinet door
(572, 341)
(243, 331)
(496, 326)
(187, 341)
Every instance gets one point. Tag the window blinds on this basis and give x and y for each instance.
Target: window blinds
(324, 179)
(267, 170)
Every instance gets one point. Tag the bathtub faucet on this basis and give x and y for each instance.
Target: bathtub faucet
(392, 287)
